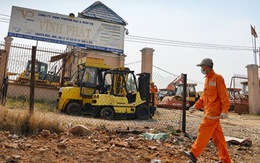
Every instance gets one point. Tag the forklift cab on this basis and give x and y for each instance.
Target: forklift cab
(88, 81)
(120, 83)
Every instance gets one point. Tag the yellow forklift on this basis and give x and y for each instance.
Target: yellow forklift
(106, 93)
(122, 96)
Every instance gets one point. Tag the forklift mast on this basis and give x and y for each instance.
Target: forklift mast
(144, 86)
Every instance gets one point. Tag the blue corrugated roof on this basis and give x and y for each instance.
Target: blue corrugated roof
(100, 11)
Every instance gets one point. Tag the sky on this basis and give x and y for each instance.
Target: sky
(218, 22)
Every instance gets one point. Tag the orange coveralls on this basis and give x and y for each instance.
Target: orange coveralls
(214, 101)
(153, 91)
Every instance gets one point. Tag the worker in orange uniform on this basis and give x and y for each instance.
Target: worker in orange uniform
(153, 91)
(215, 103)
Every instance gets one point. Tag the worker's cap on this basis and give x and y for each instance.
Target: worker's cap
(206, 62)
(151, 82)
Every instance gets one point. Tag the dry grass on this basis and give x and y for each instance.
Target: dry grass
(19, 121)
(23, 103)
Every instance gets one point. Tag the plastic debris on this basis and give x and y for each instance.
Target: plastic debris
(159, 136)
(156, 161)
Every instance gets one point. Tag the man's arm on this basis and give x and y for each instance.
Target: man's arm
(223, 95)
(199, 103)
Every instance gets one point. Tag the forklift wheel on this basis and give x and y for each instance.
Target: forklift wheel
(107, 113)
(73, 108)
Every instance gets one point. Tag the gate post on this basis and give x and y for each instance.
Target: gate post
(4, 59)
(253, 89)
(147, 61)
(184, 102)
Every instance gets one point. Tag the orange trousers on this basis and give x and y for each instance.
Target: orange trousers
(210, 128)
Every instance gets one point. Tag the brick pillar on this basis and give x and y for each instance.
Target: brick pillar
(147, 61)
(4, 59)
(253, 89)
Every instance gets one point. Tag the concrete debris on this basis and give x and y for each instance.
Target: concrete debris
(13, 136)
(45, 133)
(237, 141)
(80, 130)
(11, 145)
(155, 161)
(61, 148)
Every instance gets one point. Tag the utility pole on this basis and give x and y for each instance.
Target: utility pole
(254, 49)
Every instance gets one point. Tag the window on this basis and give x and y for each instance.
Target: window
(90, 76)
(130, 85)
(43, 68)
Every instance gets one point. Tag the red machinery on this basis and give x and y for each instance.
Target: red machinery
(173, 94)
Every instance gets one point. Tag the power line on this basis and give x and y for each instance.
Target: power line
(165, 71)
(4, 21)
(176, 75)
(153, 66)
(3, 18)
(190, 46)
(175, 41)
(161, 69)
(4, 15)
(185, 42)
(166, 42)
(132, 63)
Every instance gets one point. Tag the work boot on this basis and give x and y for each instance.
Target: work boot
(190, 156)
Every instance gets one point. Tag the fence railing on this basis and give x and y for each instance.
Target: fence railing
(45, 100)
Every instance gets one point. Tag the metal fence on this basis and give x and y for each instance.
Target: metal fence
(20, 54)
(45, 101)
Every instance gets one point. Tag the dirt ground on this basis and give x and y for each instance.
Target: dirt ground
(129, 145)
